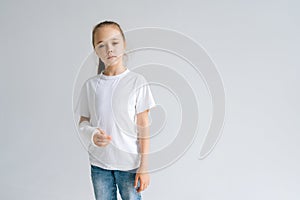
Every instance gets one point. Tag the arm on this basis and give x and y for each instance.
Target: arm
(86, 130)
(144, 142)
(97, 136)
(143, 137)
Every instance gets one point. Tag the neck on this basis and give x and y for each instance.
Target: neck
(113, 70)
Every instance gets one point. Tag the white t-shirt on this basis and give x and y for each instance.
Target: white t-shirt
(111, 103)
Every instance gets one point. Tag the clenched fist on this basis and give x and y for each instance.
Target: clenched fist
(101, 139)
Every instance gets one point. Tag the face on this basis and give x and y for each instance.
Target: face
(109, 45)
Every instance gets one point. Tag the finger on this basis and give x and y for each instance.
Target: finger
(142, 185)
(102, 144)
(104, 137)
(108, 137)
(98, 136)
(103, 132)
(141, 188)
(103, 141)
(136, 181)
(145, 187)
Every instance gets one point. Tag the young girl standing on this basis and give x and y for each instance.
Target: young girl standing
(117, 159)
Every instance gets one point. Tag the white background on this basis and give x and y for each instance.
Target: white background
(254, 44)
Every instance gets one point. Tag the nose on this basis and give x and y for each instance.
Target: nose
(109, 48)
(109, 51)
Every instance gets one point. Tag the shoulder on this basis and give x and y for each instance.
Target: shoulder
(136, 77)
(93, 78)
(90, 81)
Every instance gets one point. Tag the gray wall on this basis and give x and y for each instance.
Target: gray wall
(254, 45)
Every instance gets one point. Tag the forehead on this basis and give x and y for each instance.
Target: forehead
(105, 33)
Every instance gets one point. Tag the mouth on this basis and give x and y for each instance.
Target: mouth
(109, 57)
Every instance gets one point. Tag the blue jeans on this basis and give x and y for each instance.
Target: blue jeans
(105, 184)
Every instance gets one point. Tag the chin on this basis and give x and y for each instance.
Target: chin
(114, 61)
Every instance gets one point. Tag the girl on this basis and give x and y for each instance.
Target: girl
(117, 150)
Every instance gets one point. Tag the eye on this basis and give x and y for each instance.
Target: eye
(114, 43)
(100, 46)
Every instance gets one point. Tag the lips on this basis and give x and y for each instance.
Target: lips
(109, 57)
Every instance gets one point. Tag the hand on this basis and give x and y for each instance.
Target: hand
(101, 138)
(144, 178)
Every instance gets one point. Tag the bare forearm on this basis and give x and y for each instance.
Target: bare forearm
(144, 143)
(144, 138)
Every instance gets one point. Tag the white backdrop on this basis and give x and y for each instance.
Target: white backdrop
(254, 45)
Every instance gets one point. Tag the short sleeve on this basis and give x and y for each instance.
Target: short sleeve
(144, 99)
(82, 108)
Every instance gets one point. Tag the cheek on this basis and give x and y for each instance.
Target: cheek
(100, 53)
(119, 50)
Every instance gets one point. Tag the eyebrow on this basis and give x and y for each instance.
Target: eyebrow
(111, 39)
